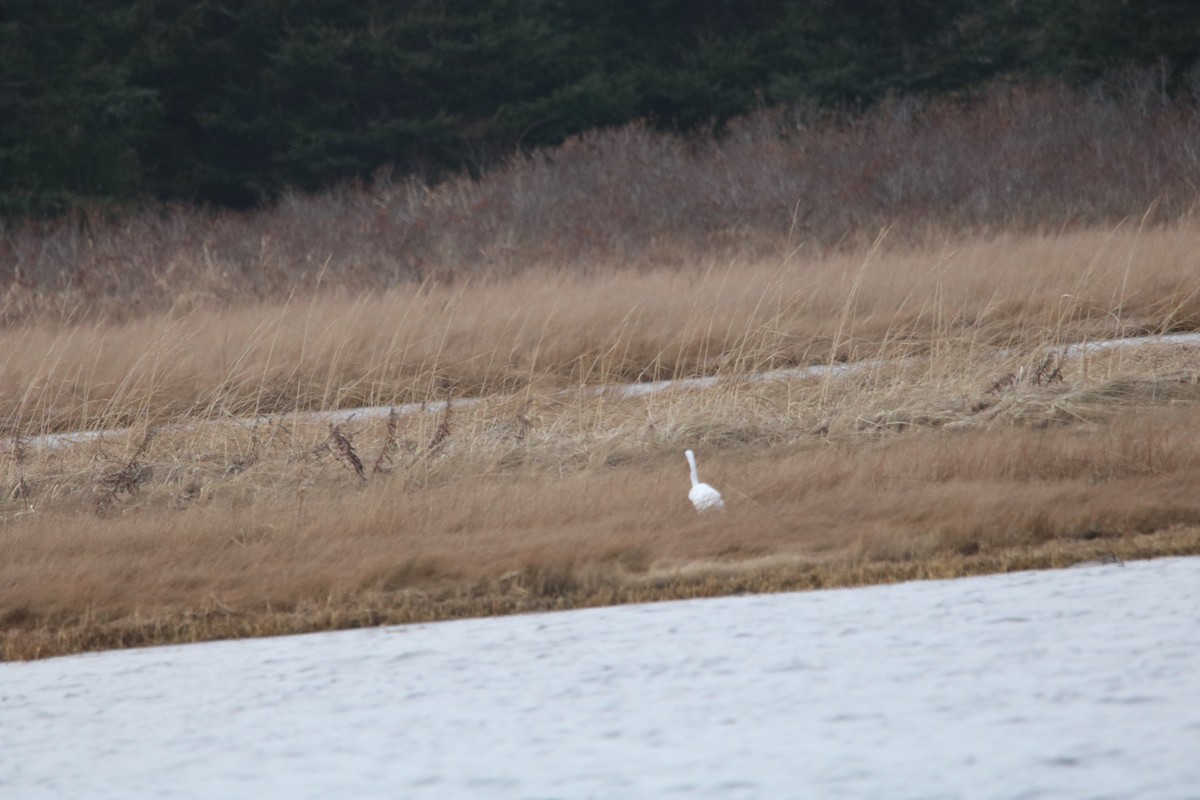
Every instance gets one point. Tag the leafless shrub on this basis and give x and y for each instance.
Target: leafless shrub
(1012, 158)
(1045, 372)
(128, 479)
(1048, 371)
(387, 450)
(344, 450)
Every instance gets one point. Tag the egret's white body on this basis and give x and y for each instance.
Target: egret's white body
(703, 496)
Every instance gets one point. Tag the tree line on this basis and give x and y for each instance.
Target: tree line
(229, 103)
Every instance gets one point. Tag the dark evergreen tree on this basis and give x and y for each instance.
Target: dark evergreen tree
(1084, 39)
(231, 102)
(72, 124)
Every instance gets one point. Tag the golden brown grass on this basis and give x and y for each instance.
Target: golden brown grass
(970, 444)
(544, 330)
(927, 467)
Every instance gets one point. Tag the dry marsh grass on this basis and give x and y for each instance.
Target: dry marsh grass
(917, 468)
(951, 252)
(542, 330)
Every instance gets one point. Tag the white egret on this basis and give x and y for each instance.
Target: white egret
(703, 496)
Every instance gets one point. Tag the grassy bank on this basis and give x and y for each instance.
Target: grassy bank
(972, 443)
(952, 251)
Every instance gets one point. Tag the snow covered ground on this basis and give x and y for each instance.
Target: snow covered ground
(1074, 683)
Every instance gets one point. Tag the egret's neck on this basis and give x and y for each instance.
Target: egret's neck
(692, 463)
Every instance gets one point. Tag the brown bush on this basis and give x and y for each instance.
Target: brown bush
(1014, 159)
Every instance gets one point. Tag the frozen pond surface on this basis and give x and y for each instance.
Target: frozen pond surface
(1074, 683)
